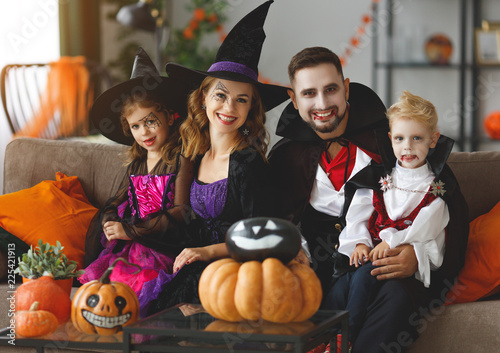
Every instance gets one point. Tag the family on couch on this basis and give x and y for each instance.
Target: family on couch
(198, 163)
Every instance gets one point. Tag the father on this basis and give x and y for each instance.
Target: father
(329, 131)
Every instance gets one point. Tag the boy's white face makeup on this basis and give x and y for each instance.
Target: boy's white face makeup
(228, 104)
(411, 142)
(150, 128)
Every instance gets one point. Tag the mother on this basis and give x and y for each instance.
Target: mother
(224, 134)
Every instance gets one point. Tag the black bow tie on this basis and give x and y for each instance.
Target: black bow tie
(341, 140)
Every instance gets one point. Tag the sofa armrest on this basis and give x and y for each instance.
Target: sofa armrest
(99, 167)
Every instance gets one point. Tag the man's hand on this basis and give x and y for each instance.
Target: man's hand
(400, 262)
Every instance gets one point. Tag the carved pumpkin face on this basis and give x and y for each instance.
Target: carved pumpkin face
(261, 237)
(104, 308)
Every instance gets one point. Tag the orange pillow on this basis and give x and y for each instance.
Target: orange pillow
(480, 275)
(51, 211)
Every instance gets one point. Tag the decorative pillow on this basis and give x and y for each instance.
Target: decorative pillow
(480, 276)
(51, 211)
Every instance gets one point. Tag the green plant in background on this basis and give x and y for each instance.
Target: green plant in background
(46, 259)
(185, 45)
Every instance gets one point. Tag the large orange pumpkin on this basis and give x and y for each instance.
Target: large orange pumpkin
(254, 290)
(104, 307)
(492, 125)
(50, 296)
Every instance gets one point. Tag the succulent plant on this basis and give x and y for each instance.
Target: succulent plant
(47, 259)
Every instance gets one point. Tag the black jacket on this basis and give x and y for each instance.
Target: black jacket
(294, 162)
(295, 158)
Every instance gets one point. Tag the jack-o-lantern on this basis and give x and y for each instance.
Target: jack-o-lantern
(260, 237)
(104, 307)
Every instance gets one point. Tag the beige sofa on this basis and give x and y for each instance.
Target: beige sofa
(468, 328)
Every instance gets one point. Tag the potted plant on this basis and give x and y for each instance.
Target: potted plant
(48, 260)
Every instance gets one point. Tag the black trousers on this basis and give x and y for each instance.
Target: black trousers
(391, 318)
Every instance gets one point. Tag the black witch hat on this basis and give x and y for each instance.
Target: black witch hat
(237, 59)
(145, 80)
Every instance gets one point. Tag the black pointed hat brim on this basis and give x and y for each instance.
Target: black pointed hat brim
(271, 95)
(106, 111)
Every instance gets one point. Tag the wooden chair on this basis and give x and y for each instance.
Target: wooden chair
(56, 101)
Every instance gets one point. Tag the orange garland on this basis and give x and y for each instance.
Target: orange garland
(355, 40)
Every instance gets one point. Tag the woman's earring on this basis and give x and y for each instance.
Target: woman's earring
(203, 106)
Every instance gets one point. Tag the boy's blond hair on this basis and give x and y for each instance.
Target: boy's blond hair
(410, 106)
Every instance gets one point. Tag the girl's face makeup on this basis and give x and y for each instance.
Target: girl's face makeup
(150, 128)
(228, 104)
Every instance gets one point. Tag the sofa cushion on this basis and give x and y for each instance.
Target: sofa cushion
(51, 211)
(480, 275)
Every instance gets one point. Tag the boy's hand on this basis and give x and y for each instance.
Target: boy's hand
(359, 255)
(379, 251)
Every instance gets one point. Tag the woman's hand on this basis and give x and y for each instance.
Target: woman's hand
(190, 255)
(302, 258)
(114, 231)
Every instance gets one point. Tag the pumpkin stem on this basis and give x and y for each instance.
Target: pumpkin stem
(105, 277)
(34, 306)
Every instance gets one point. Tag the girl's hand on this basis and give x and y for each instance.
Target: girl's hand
(190, 255)
(379, 251)
(114, 231)
(359, 255)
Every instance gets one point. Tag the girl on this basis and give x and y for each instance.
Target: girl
(142, 223)
(224, 135)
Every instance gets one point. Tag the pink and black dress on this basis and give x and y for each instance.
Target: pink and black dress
(148, 221)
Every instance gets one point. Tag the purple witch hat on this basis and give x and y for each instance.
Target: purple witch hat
(238, 59)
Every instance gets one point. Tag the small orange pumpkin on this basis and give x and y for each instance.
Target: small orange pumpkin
(104, 307)
(34, 322)
(492, 125)
(254, 290)
(51, 297)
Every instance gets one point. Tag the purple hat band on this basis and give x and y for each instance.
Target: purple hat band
(233, 67)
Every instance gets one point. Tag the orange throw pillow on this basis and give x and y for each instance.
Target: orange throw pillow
(480, 275)
(51, 211)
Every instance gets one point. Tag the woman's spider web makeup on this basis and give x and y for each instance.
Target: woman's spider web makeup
(219, 87)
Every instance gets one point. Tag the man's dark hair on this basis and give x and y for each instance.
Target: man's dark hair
(310, 57)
